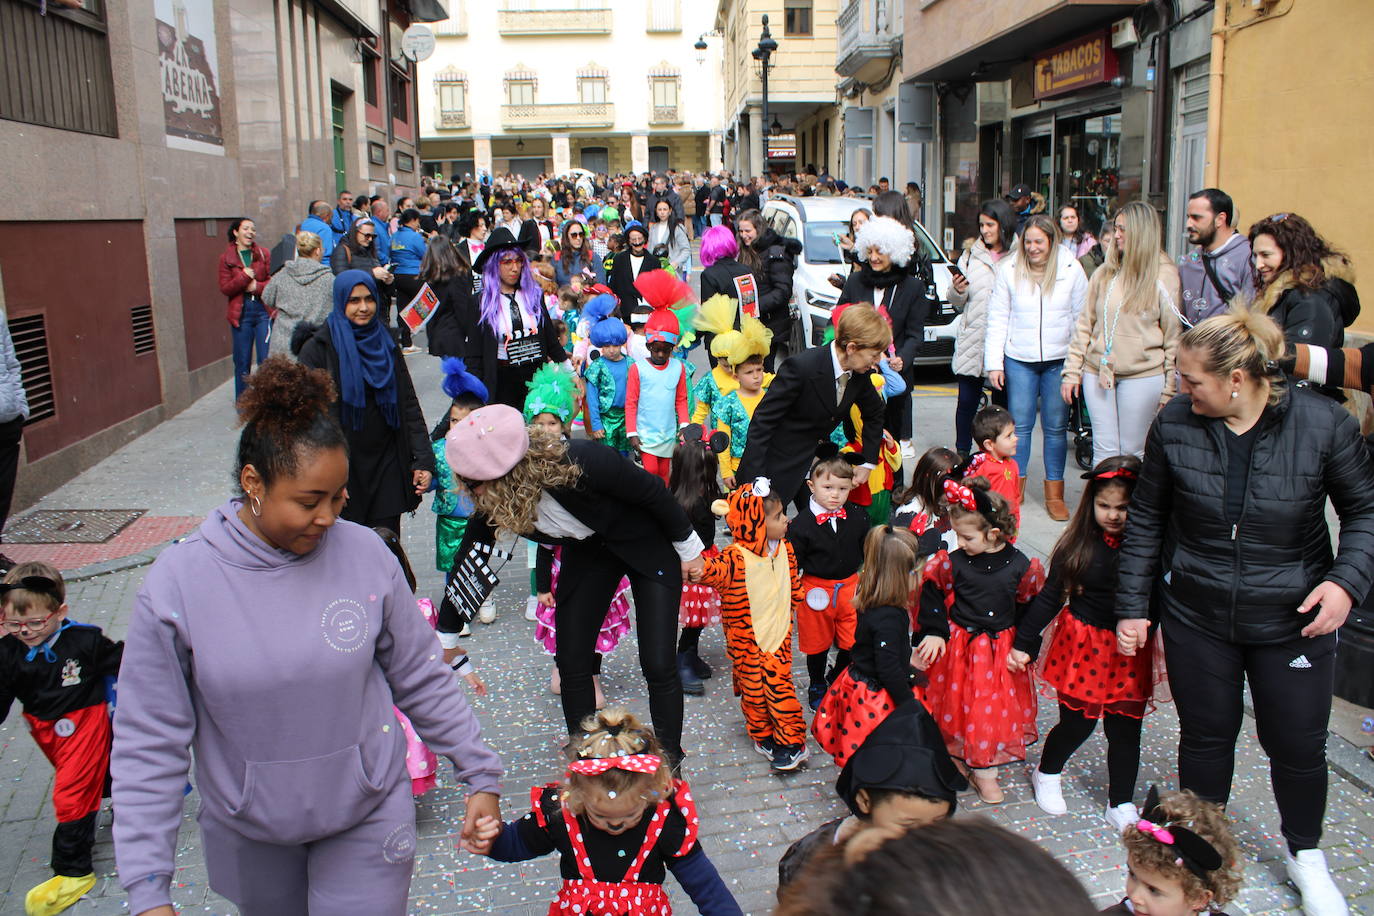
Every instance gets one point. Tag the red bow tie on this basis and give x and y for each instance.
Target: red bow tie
(828, 516)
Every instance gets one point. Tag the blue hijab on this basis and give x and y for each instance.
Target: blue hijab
(366, 356)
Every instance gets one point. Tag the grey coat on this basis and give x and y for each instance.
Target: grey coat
(13, 401)
(980, 268)
(303, 290)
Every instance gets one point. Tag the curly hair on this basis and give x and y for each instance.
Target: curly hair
(999, 515)
(1208, 821)
(285, 412)
(511, 502)
(613, 733)
(1303, 249)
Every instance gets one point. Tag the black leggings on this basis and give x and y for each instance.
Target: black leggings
(1123, 749)
(970, 395)
(689, 640)
(585, 588)
(1290, 684)
(815, 665)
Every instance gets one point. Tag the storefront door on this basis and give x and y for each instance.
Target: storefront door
(1088, 164)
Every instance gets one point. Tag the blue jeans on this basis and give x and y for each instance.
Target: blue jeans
(254, 327)
(1032, 387)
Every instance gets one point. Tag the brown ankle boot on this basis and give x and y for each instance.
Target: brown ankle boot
(1021, 495)
(1054, 501)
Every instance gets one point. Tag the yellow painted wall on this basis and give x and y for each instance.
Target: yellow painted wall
(1297, 122)
(803, 67)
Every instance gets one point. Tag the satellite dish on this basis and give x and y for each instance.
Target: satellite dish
(417, 42)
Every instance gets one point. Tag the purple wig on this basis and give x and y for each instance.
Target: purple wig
(529, 295)
(716, 243)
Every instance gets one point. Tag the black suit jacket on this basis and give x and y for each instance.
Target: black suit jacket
(622, 282)
(630, 510)
(798, 411)
(909, 308)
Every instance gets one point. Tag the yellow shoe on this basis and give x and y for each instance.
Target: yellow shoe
(56, 894)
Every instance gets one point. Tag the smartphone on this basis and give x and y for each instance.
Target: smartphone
(954, 269)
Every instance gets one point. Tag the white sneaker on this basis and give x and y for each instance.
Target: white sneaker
(487, 613)
(1320, 896)
(1122, 816)
(531, 605)
(465, 631)
(1049, 793)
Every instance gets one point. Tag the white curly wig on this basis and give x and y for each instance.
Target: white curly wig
(888, 236)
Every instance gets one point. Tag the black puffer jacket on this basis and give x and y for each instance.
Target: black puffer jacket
(1244, 583)
(778, 259)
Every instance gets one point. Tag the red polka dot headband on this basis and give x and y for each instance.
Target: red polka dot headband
(632, 763)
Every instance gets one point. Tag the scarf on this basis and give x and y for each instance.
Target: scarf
(366, 356)
(880, 280)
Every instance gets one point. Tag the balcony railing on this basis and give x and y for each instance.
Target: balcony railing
(868, 36)
(452, 119)
(558, 115)
(595, 21)
(665, 114)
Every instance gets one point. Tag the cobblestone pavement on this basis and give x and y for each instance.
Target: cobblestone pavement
(748, 816)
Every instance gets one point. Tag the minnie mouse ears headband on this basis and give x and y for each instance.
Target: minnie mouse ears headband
(713, 440)
(973, 499)
(1193, 852)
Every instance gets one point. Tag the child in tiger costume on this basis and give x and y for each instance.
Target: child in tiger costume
(760, 591)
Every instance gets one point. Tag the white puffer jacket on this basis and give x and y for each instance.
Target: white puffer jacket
(980, 266)
(1026, 325)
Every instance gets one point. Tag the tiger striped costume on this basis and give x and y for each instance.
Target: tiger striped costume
(759, 594)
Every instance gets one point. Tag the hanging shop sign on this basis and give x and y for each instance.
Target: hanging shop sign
(189, 61)
(1078, 64)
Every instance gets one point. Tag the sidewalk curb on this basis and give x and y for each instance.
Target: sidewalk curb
(118, 564)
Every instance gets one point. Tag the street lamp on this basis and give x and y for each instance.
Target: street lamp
(701, 49)
(763, 54)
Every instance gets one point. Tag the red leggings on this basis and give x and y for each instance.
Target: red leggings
(659, 467)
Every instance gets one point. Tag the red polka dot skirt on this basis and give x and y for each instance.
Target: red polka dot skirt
(1089, 676)
(850, 712)
(985, 712)
(700, 605)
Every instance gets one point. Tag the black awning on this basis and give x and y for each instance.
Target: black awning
(994, 58)
(426, 10)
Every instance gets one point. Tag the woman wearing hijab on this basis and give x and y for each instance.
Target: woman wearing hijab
(513, 336)
(390, 461)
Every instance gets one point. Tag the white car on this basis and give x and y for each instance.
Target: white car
(818, 222)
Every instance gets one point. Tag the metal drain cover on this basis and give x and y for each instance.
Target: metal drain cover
(69, 526)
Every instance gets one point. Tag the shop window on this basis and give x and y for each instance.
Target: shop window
(1089, 164)
(796, 17)
(58, 67)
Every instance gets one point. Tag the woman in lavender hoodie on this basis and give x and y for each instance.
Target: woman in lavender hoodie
(272, 643)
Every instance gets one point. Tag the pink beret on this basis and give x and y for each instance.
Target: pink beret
(487, 443)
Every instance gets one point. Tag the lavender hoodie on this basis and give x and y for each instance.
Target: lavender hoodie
(279, 671)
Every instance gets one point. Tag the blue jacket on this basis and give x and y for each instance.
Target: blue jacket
(383, 240)
(563, 271)
(407, 250)
(341, 221)
(323, 230)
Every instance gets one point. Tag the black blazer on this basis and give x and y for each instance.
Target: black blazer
(720, 278)
(633, 514)
(798, 411)
(480, 350)
(457, 314)
(909, 308)
(621, 280)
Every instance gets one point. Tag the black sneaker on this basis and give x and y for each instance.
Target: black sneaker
(700, 667)
(765, 748)
(691, 684)
(787, 758)
(814, 694)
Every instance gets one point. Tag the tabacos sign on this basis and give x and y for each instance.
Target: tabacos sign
(1083, 62)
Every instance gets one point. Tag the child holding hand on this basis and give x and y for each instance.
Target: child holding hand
(879, 677)
(619, 822)
(970, 602)
(760, 591)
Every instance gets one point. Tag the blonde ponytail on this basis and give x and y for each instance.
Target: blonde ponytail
(1243, 338)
